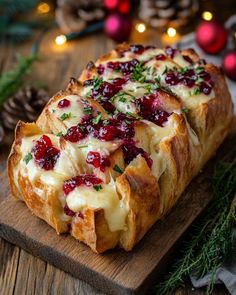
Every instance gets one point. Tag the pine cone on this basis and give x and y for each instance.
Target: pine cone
(25, 105)
(159, 13)
(73, 15)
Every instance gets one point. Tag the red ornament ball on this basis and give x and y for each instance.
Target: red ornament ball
(229, 64)
(121, 6)
(118, 27)
(211, 37)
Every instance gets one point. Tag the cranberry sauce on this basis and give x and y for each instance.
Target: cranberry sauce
(136, 49)
(68, 212)
(83, 179)
(98, 161)
(131, 151)
(171, 52)
(44, 153)
(191, 77)
(64, 103)
(149, 109)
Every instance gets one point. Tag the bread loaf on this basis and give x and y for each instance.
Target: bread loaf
(111, 154)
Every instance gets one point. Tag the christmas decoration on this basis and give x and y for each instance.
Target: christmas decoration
(229, 64)
(211, 37)
(118, 27)
(24, 105)
(74, 15)
(210, 242)
(12, 80)
(161, 13)
(1, 134)
(121, 6)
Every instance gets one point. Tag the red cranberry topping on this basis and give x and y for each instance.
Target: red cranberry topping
(188, 59)
(83, 179)
(131, 152)
(100, 69)
(75, 133)
(205, 88)
(171, 78)
(45, 154)
(160, 57)
(149, 109)
(64, 103)
(68, 212)
(125, 67)
(108, 133)
(80, 215)
(170, 51)
(109, 107)
(205, 76)
(98, 161)
(137, 48)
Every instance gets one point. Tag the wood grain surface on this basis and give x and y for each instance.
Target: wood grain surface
(20, 272)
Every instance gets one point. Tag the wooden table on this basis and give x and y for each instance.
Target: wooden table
(20, 272)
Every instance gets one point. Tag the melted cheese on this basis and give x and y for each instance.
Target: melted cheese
(75, 110)
(115, 209)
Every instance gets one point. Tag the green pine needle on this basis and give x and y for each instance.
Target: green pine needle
(12, 80)
(210, 242)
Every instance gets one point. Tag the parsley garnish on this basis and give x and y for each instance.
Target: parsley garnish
(137, 74)
(165, 70)
(133, 115)
(27, 158)
(195, 91)
(158, 79)
(97, 187)
(87, 110)
(82, 146)
(97, 119)
(185, 110)
(105, 122)
(117, 169)
(97, 81)
(65, 116)
(59, 134)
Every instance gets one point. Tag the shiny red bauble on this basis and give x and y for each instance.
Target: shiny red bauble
(229, 64)
(121, 6)
(118, 27)
(211, 37)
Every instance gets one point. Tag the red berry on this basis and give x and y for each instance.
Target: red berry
(64, 103)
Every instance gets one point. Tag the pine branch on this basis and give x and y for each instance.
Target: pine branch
(211, 241)
(12, 80)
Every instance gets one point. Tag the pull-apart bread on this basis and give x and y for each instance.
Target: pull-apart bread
(111, 155)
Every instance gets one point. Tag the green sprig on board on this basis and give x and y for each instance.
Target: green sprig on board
(12, 80)
(210, 242)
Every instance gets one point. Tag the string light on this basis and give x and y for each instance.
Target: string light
(171, 32)
(60, 40)
(140, 27)
(207, 15)
(43, 8)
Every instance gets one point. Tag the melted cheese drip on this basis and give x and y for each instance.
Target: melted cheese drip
(115, 209)
(75, 110)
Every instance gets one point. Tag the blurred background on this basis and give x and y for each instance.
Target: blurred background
(44, 43)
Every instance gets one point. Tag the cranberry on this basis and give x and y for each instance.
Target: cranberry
(64, 103)
(188, 59)
(160, 57)
(170, 51)
(118, 83)
(171, 78)
(160, 118)
(80, 215)
(205, 88)
(75, 133)
(105, 91)
(128, 66)
(131, 152)
(83, 179)
(205, 76)
(95, 159)
(138, 49)
(100, 69)
(109, 107)
(188, 82)
(108, 133)
(45, 154)
(88, 82)
(68, 212)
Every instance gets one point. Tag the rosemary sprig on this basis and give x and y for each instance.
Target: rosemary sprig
(210, 242)
(12, 80)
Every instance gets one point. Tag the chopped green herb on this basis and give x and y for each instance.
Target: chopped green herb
(97, 81)
(117, 169)
(27, 158)
(97, 187)
(158, 79)
(116, 70)
(195, 91)
(185, 110)
(59, 134)
(133, 115)
(165, 70)
(65, 116)
(82, 146)
(105, 122)
(87, 110)
(137, 74)
(97, 119)
(199, 70)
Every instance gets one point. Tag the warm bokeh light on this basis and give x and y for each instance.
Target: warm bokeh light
(60, 40)
(43, 8)
(171, 32)
(207, 15)
(140, 27)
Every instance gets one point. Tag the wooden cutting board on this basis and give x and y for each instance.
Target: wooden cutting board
(114, 272)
